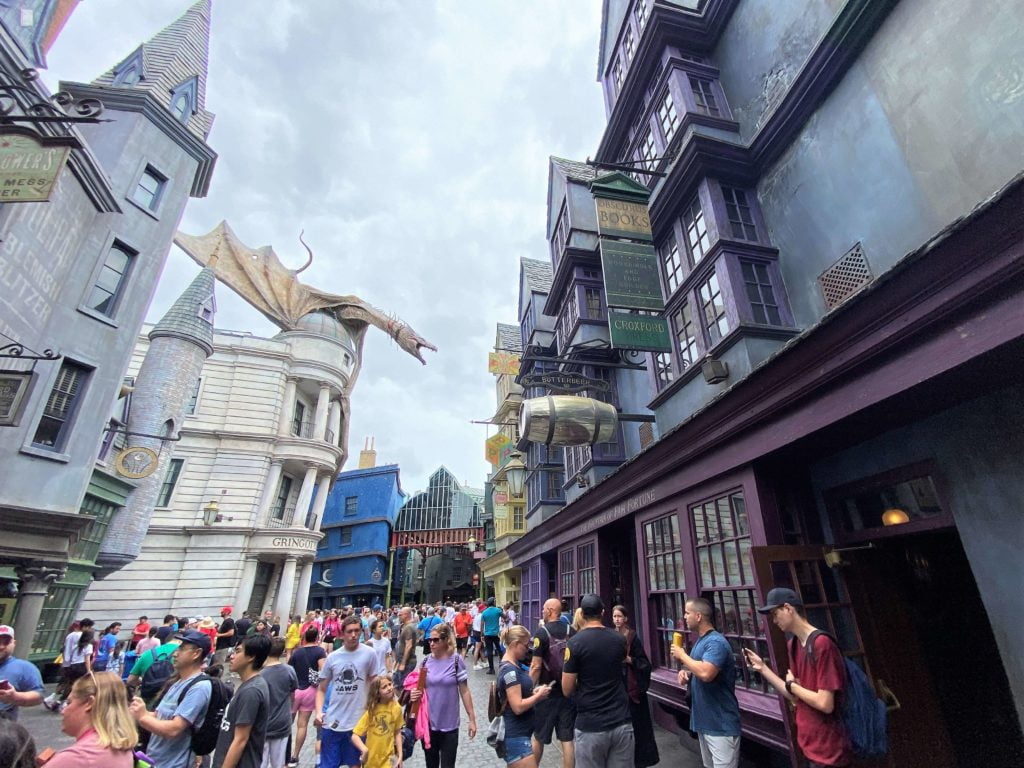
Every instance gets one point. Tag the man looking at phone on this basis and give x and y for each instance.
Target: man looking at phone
(711, 671)
(20, 682)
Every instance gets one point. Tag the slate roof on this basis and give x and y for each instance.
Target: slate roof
(178, 53)
(575, 171)
(538, 275)
(509, 338)
(182, 319)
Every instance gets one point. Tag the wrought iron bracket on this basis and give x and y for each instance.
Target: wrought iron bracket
(61, 108)
(618, 358)
(634, 166)
(128, 433)
(16, 350)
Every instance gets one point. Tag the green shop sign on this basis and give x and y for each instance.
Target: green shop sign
(631, 279)
(642, 332)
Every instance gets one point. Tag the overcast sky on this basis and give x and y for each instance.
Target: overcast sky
(411, 141)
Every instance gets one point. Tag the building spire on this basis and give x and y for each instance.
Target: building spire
(191, 316)
(172, 67)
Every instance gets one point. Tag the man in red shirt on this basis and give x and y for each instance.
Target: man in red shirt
(814, 682)
(463, 621)
(141, 630)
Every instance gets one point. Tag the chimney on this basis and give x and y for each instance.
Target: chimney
(368, 456)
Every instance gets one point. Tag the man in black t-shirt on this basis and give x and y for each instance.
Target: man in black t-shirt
(164, 633)
(225, 636)
(243, 731)
(557, 713)
(593, 656)
(242, 627)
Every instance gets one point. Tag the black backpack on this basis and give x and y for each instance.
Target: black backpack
(204, 738)
(156, 677)
(554, 660)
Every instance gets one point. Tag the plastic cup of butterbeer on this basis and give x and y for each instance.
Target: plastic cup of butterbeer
(677, 639)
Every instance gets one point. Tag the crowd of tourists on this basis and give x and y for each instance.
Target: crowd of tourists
(242, 692)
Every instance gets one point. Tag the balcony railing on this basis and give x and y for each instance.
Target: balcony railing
(307, 430)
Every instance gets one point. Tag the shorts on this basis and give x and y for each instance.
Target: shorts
(460, 643)
(556, 714)
(275, 753)
(304, 699)
(517, 748)
(337, 749)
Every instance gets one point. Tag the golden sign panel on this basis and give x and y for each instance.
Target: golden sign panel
(136, 462)
(503, 363)
(623, 219)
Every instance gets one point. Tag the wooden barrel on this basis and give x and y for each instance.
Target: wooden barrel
(567, 420)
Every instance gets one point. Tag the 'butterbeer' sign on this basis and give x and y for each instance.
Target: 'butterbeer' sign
(619, 218)
(28, 169)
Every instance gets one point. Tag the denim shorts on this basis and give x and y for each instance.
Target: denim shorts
(517, 748)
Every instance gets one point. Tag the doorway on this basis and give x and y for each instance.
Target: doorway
(260, 588)
(928, 638)
(620, 545)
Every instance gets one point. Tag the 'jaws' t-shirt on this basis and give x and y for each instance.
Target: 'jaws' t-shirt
(348, 675)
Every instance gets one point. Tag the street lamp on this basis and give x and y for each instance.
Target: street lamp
(515, 473)
(211, 514)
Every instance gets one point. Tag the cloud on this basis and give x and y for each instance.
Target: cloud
(410, 140)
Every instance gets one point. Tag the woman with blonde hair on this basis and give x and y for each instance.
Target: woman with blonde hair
(519, 696)
(577, 620)
(97, 717)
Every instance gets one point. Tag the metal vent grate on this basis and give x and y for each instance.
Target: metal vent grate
(845, 277)
(646, 434)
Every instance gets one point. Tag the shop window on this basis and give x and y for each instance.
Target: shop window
(672, 265)
(704, 96)
(663, 369)
(667, 584)
(58, 611)
(88, 545)
(170, 480)
(722, 539)
(899, 501)
(595, 303)
(55, 424)
(668, 118)
(111, 281)
(149, 189)
(585, 571)
(712, 305)
(697, 240)
(741, 219)
(555, 480)
(567, 577)
(686, 336)
(763, 305)
(193, 398)
(518, 517)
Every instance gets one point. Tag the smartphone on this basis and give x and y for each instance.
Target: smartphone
(5, 685)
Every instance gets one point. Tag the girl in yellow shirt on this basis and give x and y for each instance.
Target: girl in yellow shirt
(291, 636)
(378, 734)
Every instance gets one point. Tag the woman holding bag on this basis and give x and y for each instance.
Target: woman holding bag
(446, 683)
(637, 672)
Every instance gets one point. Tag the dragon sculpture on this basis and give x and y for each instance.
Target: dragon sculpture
(259, 277)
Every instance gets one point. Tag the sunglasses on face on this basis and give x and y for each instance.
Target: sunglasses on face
(433, 639)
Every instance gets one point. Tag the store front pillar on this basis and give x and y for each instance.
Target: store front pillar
(32, 590)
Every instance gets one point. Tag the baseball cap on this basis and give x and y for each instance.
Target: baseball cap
(196, 638)
(779, 596)
(225, 610)
(7, 630)
(490, 601)
(591, 605)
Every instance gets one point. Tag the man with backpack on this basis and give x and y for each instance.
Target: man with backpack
(152, 670)
(181, 709)
(814, 682)
(556, 713)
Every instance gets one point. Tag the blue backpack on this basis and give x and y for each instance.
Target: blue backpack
(864, 714)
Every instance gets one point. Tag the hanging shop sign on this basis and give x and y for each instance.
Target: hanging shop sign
(136, 463)
(631, 279)
(13, 386)
(28, 169)
(493, 446)
(568, 420)
(619, 218)
(642, 332)
(503, 363)
(562, 382)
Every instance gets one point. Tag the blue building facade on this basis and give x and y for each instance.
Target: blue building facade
(351, 562)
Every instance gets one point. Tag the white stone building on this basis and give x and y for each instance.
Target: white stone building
(237, 517)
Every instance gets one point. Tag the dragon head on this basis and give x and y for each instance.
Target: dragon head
(412, 342)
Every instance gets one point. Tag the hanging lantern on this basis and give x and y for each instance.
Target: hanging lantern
(567, 420)
(895, 516)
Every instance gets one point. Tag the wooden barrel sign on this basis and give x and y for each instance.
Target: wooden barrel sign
(567, 420)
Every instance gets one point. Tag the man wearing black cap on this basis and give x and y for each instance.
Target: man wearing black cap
(816, 673)
(182, 707)
(604, 732)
